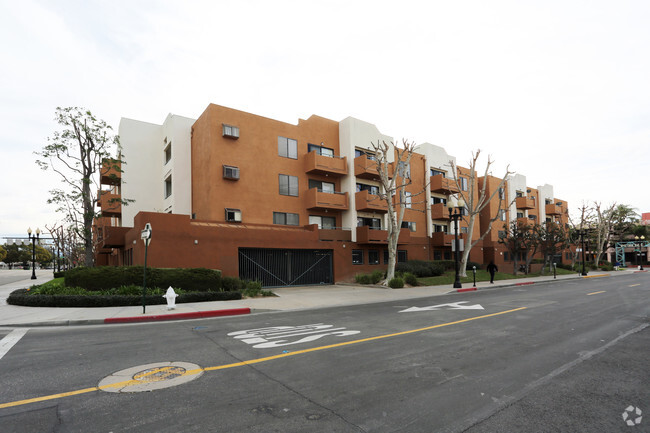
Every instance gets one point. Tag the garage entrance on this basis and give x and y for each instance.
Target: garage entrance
(283, 267)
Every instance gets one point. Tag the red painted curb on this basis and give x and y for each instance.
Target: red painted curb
(178, 316)
(466, 290)
(525, 284)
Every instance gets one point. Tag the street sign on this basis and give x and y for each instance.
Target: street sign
(145, 234)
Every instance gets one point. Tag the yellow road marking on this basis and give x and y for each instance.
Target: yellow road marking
(252, 361)
(596, 276)
(595, 293)
(634, 285)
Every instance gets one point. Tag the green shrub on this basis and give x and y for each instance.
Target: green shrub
(471, 264)
(108, 277)
(232, 284)
(376, 276)
(59, 274)
(396, 283)
(252, 289)
(421, 268)
(410, 279)
(362, 279)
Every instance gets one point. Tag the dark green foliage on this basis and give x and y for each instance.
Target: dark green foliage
(410, 279)
(362, 279)
(252, 288)
(232, 284)
(376, 276)
(59, 274)
(373, 278)
(470, 264)
(421, 268)
(107, 277)
(24, 298)
(396, 283)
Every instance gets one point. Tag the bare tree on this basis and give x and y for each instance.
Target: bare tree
(77, 154)
(514, 239)
(394, 178)
(604, 218)
(476, 199)
(552, 239)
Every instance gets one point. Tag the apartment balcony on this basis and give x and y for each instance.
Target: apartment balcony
(367, 202)
(106, 202)
(365, 168)
(110, 172)
(326, 165)
(112, 237)
(553, 209)
(331, 234)
(525, 203)
(442, 185)
(366, 235)
(525, 221)
(439, 212)
(442, 239)
(319, 200)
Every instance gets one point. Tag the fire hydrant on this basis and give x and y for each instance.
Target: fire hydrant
(171, 298)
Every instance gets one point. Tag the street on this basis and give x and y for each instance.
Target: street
(570, 356)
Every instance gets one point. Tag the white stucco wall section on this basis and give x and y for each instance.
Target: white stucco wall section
(545, 193)
(516, 183)
(355, 133)
(145, 171)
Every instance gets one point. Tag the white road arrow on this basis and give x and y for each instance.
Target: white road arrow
(452, 306)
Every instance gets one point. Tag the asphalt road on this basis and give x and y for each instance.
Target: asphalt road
(548, 357)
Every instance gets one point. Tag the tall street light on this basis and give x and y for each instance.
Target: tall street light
(640, 242)
(33, 238)
(582, 232)
(455, 213)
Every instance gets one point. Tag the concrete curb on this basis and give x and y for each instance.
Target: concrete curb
(179, 316)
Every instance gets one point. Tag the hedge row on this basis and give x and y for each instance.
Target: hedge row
(22, 297)
(107, 277)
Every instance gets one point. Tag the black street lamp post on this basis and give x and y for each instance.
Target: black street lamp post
(33, 238)
(640, 241)
(455, 213)
(582, 233)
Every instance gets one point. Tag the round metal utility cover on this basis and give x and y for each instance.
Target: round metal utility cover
(150, 377)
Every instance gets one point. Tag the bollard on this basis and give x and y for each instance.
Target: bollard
(554, 270)
(474, 269)
(171, 298)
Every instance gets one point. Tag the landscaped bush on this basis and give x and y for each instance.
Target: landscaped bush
(410, 279)
(421, 268)
(59, 274)
(606, 266)
(252, 289)
(232, 284)
(25, 298)
(471, 264)
(578, 268)
(376, 276)
(396, 283)
(107, 277)
(362, 279)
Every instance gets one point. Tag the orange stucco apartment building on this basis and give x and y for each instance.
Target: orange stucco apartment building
(282, 203)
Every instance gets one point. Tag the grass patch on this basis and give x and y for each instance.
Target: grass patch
(481, 275)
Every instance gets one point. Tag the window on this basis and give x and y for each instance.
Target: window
(168, 153)
(502, 214)
(168, 186)
(230, 172)
(520, 194)
(463, 183)
(230, 131)
(520, 214)
(288, 185)
(402, 256)
(372, 189)
(502, 234)
(373, 223)
(357, 257)
(502, 193)
(233, 215)
(436, 200)
(327, 223)
(287, 219)
(287, 147)
(373, 257)
(322, 150)
(321, 186)
(408, 225)
(371, 156)
(404, 169)
(439, 228)
(437, 255)
(435, 172)
(464, 230)
(408, 199)
(532, 217)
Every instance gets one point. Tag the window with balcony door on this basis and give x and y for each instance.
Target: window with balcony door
(321, 150)
(370, 155)
(373, 223)
(326, 223)
(440, 228)
(372, 189)
(434, 172)
(436, 200)
(409, 225)
(322, 186)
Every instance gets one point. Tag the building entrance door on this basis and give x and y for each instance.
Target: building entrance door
(285, 267)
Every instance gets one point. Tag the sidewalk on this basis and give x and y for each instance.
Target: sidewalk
(288, 298)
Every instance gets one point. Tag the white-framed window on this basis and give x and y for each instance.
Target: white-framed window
(230, 131)
(408, 199)
(463, 183)
(233, 215)
(409, 225)
(288, 185)
(502, 214)
(168, 152)
(288, 147)
(327, 223)
(230, 172)
(322, 186)
(168, 186)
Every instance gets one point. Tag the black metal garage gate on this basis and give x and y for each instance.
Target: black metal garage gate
(280, 267)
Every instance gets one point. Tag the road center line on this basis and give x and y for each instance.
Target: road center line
(634, 285)
(595, 293)
(258, 360)
(11, 339)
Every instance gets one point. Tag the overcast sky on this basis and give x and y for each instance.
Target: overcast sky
(559, 90)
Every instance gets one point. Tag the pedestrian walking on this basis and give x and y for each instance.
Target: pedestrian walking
(492, 269)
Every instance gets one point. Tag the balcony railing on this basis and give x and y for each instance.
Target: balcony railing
(108, 205)
(366, 168)
(332, 233)
(553, 209)
(442, 185)
(442, 239)
(525, 203)
(110, 175)
(316, 163)
(316, 199)
(368, 235)
(439, 211)
(367, 202)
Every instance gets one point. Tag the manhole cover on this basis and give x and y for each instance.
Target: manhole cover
(150, 377)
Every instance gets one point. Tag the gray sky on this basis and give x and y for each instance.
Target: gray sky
(560, 90)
